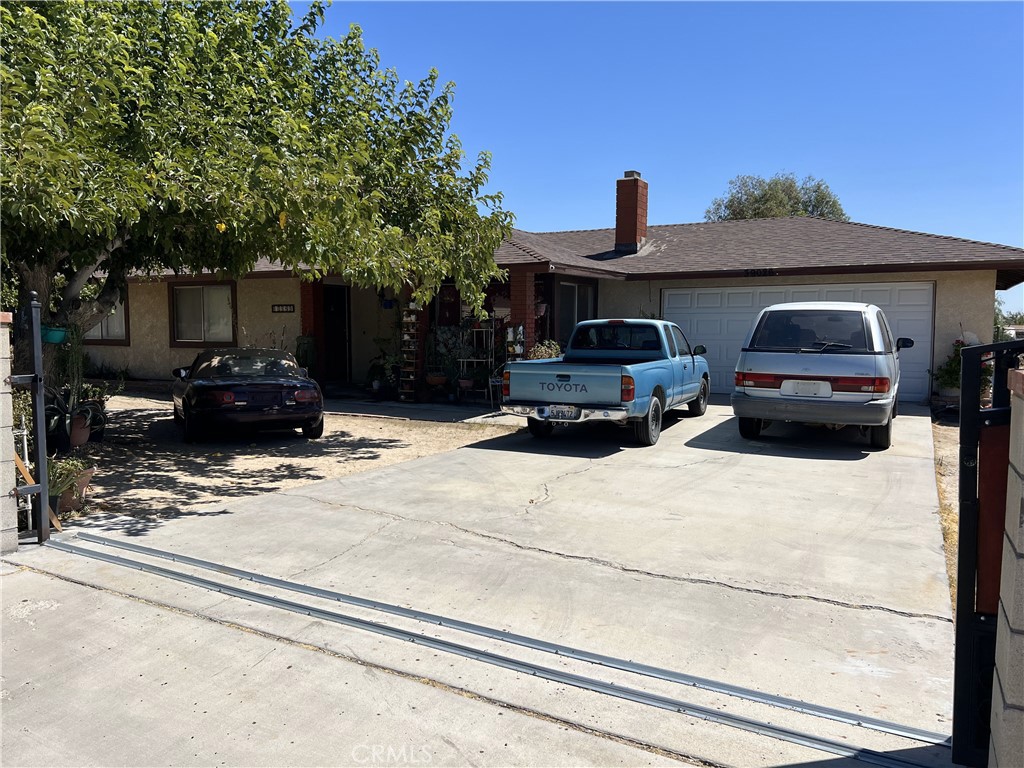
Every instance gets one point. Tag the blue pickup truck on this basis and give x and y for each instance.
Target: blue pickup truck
(623, 371)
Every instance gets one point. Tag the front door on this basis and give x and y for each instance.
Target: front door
(336, 333)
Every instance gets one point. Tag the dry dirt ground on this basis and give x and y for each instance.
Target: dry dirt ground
(144, 468)
(946, 437)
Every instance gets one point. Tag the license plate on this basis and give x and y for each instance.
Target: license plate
(563, 412)
(807, 388)
(265, 398)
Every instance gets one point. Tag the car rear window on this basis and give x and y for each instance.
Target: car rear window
(247, 365)
(820, 330)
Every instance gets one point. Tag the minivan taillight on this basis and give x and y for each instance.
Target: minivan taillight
(628, 389)
(762, 380)
(875, 385)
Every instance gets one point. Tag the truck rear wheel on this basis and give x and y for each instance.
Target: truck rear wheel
(539, 428)
(648, 429)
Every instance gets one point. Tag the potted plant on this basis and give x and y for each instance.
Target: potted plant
(67, 480)
(70, 421)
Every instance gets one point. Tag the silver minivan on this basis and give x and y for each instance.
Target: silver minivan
(819, 362)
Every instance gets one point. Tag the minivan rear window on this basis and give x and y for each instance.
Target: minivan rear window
(818, 330)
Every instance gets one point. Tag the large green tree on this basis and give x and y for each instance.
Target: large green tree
(145, 136)
(754, 197)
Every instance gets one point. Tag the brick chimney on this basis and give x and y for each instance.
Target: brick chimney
(630, 213)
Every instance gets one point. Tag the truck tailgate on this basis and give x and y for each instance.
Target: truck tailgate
(571, 384)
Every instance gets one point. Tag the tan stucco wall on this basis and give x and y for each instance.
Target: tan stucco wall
(369, 323)
(258, 326)
(962, 299)
(151, 356)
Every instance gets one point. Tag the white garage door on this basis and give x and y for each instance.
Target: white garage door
(719, 318)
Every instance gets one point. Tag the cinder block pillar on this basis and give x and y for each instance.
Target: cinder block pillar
(8, 505)
(1007, 746)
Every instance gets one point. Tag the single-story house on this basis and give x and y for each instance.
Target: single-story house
(710, 278)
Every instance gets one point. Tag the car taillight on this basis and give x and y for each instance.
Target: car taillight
(306, 396)
(877, 385)
(628, 389)
(874, 385)
(223, 398)
(761, 380)
(506, 383)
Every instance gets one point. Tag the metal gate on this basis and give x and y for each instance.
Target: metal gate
(984, 461)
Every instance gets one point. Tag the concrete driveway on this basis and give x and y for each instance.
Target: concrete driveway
(804, 564)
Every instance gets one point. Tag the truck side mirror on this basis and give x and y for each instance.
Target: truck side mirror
(700, 349)
(904, 343)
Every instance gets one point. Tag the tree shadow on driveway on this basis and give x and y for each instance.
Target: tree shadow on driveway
(145, 469)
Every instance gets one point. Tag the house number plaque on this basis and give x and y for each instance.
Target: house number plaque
(277, 308)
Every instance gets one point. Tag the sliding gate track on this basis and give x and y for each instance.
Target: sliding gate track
(546, 673)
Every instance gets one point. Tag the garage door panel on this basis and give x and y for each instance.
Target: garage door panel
(810, 293)
(709, 300)
(739, 299)
(769, 296)
(840, 294)
(720, 319)
(914, 297)
(708, 327)
(915, 328)
(675, 300)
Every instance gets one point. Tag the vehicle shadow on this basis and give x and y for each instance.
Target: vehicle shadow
(787, 440)
(581, 441)
(145, 470)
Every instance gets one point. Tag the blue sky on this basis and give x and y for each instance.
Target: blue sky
(913, 112)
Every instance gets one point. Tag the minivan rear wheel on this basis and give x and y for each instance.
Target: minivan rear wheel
(881, 437)
(750, 428)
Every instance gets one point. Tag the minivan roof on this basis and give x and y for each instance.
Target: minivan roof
(849, 306)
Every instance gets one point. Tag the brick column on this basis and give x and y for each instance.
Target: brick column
(1007, 743)
(8, 506)
(523, 299)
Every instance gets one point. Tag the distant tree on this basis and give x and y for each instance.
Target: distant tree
(754, 197)
(1004, 318)
(144, 136)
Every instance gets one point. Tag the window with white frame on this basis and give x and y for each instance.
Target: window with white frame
(202, 313)
(113, 327)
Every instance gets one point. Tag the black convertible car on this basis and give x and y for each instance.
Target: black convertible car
(254, 388)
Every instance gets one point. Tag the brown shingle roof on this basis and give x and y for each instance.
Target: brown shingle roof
(789, 245)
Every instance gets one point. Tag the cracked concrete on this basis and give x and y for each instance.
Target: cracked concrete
(393, 517)
(803, 565)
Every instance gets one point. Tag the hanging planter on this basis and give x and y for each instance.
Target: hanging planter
(53, 335)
